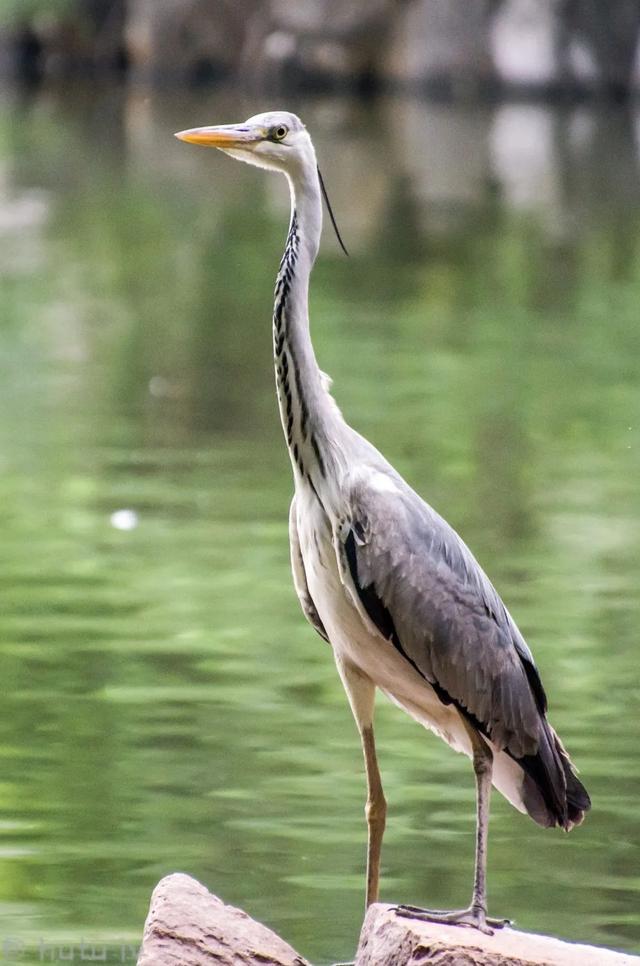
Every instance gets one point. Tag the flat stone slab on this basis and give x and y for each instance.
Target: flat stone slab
(390, 940)
(188, 926)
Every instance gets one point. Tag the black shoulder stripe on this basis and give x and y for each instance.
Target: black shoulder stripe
(381, 617)
(535, 683)
(383, 620)
(377, 612)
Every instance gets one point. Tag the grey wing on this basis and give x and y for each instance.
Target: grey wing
(425, 592)
(300, 577)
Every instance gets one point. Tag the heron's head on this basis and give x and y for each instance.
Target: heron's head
(276, 140)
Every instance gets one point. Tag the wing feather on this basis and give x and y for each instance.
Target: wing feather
(423, 589)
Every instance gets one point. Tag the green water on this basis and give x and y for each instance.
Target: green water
(164, 704)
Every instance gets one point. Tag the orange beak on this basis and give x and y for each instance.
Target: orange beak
(224, 136)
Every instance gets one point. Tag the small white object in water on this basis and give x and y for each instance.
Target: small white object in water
(159, 386)
(124, 519)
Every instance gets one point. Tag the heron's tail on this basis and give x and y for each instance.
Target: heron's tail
(551, 791)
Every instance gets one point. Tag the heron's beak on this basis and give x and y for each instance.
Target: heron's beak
(224, 136)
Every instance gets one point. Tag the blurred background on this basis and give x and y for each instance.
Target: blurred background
(165, 706)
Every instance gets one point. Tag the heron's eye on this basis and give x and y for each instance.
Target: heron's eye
(279, 133)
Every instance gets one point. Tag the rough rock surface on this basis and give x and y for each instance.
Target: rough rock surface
(188, 926)
(388, 940)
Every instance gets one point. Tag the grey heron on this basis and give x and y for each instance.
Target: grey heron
(383, 578)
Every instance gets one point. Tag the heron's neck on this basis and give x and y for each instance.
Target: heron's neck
(306, 409)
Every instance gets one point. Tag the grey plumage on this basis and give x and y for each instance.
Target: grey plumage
(428, 595)
(449, 620)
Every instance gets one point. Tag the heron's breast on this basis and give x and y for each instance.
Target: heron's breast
(316, 546)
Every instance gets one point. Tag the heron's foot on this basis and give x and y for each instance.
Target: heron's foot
(474, 916)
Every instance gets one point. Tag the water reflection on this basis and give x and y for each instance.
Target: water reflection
(165, 705)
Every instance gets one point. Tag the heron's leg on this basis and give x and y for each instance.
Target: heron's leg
(376, 812)
(361, 693)
(483, 768)
(476, 914)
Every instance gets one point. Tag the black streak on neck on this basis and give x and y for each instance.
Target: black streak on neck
(285, 357)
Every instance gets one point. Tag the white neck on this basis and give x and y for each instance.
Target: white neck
(307, 412)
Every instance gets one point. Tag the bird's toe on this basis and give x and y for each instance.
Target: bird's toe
(473, 917)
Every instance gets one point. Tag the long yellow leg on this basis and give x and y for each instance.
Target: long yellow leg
(376, 812)
(361, 693)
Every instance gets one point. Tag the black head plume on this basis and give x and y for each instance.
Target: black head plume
(333, 221)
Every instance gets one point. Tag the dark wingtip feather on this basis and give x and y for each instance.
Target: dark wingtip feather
(578, 801)
(553, 794)
(577, 798)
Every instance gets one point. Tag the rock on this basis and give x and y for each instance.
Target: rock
(188, 926)
(388, 940)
